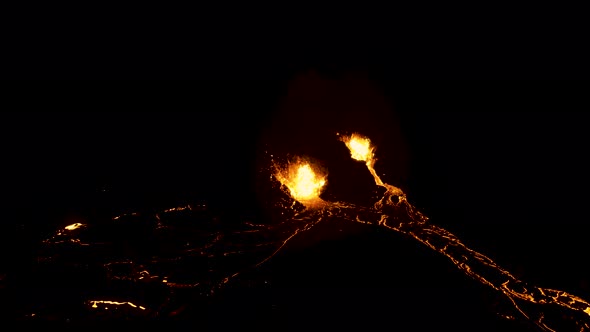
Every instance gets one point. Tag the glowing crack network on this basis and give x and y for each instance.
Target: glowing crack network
(394, 212)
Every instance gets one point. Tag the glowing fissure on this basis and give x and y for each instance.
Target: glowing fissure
(94, 304)
(247, 248)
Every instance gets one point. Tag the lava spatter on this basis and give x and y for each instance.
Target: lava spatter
(303, 181)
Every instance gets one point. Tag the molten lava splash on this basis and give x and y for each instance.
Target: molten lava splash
(303, 182)
(360, 148)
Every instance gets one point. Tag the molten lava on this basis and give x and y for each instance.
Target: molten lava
(305, 183)
(115, 303)
(360, 148)
(74, 226)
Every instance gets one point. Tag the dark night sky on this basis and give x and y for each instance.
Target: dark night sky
(190, 42)
(502, 165)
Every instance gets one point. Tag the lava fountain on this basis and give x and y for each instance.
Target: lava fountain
(303, 182)
(361, 149)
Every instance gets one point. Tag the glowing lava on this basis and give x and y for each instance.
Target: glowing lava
(407, 220)
(115, 303)
(73, 226)
(361, 149)
(305, 183)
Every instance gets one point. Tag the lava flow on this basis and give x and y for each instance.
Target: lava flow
(393, 211)
(361, 149)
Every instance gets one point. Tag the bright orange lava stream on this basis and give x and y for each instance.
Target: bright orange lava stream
(361, 149)
(115, 303)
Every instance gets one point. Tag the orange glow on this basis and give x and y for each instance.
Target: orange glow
(305, 183)
(129, 214)
(95, 304)
(73, 226)
(179, 208)
(361, 150)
